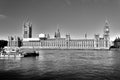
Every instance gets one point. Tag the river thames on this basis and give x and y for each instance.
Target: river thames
(63, 65)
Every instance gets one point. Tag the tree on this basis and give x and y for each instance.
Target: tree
(3, 43)
(117, 42)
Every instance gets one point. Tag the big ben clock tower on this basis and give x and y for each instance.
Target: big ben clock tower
(106, 34)
(106, 28)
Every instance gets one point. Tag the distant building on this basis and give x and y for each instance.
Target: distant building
(27, 30)
(14, 41)
(45, 42)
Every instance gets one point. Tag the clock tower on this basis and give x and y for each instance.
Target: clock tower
(106, 28)
(106, 34)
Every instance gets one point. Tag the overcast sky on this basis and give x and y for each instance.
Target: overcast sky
(75, 17)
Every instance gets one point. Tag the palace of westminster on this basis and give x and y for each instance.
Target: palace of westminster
(45, 42)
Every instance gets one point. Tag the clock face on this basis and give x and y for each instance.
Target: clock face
(107, 29)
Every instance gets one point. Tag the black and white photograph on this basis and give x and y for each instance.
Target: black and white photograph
(59, 39)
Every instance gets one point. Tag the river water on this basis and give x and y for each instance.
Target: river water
(63, 65)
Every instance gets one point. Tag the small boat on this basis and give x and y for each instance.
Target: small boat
(15, 52)
(31, 54)
(10, 53)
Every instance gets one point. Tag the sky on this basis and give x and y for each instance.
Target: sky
(74, 17)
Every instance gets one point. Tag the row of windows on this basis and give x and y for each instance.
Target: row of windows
(31, 44)
(60, 44)
(82, 42)
(13, 43)
(92, 45)
(102, 44)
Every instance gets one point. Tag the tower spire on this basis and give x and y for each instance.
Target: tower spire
(107, 22)
(57, 33)
(106, 29)
(58, 28)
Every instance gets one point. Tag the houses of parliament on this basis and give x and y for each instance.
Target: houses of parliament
(45, 42)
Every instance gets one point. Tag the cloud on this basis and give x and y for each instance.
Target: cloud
(68, 2)
(97, 1)
(2, 16)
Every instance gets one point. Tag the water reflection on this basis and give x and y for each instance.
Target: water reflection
(9, 63)
(102, 58)
(86, 64)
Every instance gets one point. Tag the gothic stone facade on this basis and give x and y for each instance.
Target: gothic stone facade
(63, 43)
